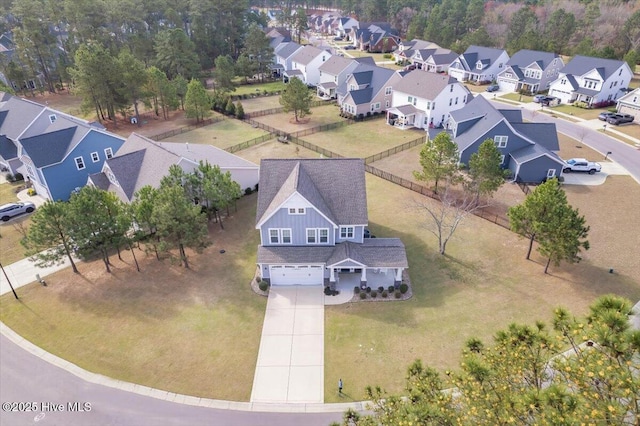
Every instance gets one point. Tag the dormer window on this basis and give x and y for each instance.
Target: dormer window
(346, 232)
(296, 210)
(52, 118)
(479, 65)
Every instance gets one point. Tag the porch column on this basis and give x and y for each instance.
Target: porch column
(332, 275)
(399, 274)
(364, 274)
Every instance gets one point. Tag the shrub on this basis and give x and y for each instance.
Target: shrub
(363, 295)
(368, 290)
(239, 111)
(397, 294)
(404, 288)
(384, 294)
(230, 108)
(380, 289)
(391, 288)
(18, 176)
(374, 294)
(356, 289)
(263, 286)
(258, 279)
(248, 191)
(9, 177)
(327, 291)
(256, 188)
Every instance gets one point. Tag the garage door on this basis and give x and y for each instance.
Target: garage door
(507, 86)
(292, 275)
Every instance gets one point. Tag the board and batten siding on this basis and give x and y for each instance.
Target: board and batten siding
(298, 223)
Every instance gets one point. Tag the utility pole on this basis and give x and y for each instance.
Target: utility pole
(7, 277)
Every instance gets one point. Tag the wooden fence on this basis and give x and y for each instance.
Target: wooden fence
(184, 129)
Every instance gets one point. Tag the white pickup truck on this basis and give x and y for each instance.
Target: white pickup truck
(581, 165)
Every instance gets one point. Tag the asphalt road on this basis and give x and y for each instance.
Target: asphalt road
(28, 379)
(624, 154)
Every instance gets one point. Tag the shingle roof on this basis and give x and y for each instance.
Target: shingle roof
(284, 50)
(307, 54)
(8, 149)
(49, 148)
(486, 55)
(525, 57)
(373, 253)
(100, 180)
(336, 64)
(335, 186)
(361, 96)
(512, 115)
(485, 116)
(532, 152)
(20, 113)
(581, 65)
(426, 85)
(444, 58)
(544, 134)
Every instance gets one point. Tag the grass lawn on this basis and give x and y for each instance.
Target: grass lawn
(260, 103)
(481, 285)
(587, 114)
(632, 130)
(193, 331)
(10, 248)
(222, 134)
(517, 97)
(363, 139)
(275, 149)
(284, 121)
(247, 89)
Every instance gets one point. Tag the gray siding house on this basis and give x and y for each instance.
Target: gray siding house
(530, 71)
(312, 216)
(528, 149)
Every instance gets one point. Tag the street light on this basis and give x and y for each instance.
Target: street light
(605, 157)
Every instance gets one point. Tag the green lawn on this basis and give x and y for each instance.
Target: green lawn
(10, 235)
(587, 114)
(285, 121)
(517, 97)
(363, 139)
(260, 103)
(481, 285)
(222, 134)
(248, 89)
(193, 331)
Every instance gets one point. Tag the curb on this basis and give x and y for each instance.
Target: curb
(175, 397)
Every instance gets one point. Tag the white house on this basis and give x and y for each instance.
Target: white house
(594, 81)
(333, 72)
(423, 100)
(305, 64)
(530, 70)
(478, 64)
(630, 104)
(368, 90)
(282, 55)
(433, 60)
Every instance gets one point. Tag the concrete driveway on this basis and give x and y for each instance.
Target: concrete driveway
(608, 168)
(290, 366)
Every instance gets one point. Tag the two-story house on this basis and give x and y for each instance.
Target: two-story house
(312, 216)
(335, 71)
(433, 60)
(407, 48)
(368, 90)
(375, 37)
(344, 26)
(55, 152)
(305, 65)
(530, 71)
(591, 80)
(141, 161)
(423, 100)
(528, 149)
(478, 64)
(282, 55)
(630, 104)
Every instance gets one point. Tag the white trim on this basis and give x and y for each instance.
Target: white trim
(108, 155)
(346, 227)
(348, 259)
(280, 236)
(275, 210)
(77, 163)
(95, 157)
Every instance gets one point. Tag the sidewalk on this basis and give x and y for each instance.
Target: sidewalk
(24, 272)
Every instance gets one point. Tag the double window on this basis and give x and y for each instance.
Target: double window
(501, 141)
(346, 232)
(280, 236)
(296, 210)
(317, 235)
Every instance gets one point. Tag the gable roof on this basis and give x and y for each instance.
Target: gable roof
(443, 58)
(360, 96)
(8, 150)
(422, 84)
(486, 55)
(581, 65)
(49, 148)
(533, 151)
(627, 99)
(141, 161)
(544, 134)
(484, 115)
(336, 64)
(19, 114)
(336, 187)
(525, 57)
(307, 54)
(286, 49)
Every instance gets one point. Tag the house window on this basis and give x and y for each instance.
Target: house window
(620, 73)
(317, 235)
(433, 105)
(296, 210)
(410, 99)
(311, 236)
(456, 100)
(346, 232)
(563, 81)
(280, 236)
(508, 75)
(450, 102)
(108, 152)
(377, 106)
(52, 118)
(502, 159)
(501, 141)
(79, 163)
(30, 171)
(551, 173)
(451, 88)
(324, 235)
(95, 157)
(387, 91)
(479, 65)
(386, 104)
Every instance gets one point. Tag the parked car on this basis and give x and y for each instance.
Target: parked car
(349, 47)
(410, 67)
(538, 98)
(493, 88)
(620, 119)
(338, 38)
(550, 101)
(581, 165)
(7, 211)
(605, 115)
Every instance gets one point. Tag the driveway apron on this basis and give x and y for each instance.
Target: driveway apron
(290, 367)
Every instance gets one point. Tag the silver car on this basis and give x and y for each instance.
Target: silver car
(7, 211)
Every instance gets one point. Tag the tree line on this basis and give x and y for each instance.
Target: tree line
(581, 370)
(95, 222)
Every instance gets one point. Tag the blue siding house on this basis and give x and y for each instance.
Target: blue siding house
(312, 216)
(528, 149)
(56, 152)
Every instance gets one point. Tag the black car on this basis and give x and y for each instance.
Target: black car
(620, 119)
(549, 101)
(349, 47)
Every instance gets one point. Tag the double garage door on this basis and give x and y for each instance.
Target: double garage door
(296, 275)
